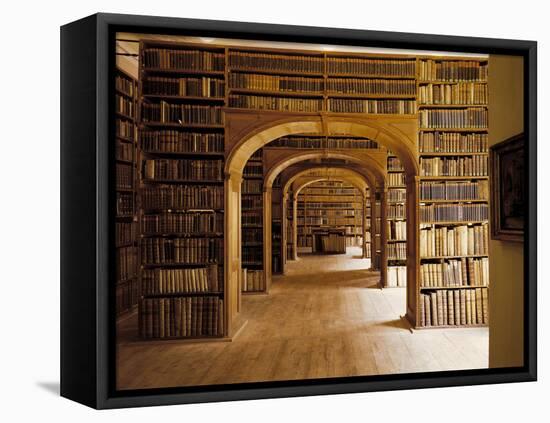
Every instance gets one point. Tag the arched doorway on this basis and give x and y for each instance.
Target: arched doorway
(364, 159)
(247, 132)
(362, 180)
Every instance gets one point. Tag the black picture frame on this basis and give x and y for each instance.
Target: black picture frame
(87, 336)
(507, 164)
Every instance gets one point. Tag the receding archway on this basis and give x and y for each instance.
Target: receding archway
(247, 132)
(365, 159)
(363, 180)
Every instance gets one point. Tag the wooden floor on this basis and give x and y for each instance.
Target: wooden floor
(325, 318)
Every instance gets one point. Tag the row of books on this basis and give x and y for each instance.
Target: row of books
(275, 103)
(181, 317)
(183, 223)
(454, 241)
(251, 201)
(258, 82)
(396, 276)
(124, 85)
(251, 186)
(125, 105)
(181, 113)
(324, 200)
(371, 67)
(329, 191)
(396, 179)
(124, 204)
(397, 229)
(187, 59)
(397, 251)
(183, 87)
(394, 164)
(274, 62)
(196, 170)
(182, 197)
(252, 254)
(344, 105)
(453, 70)
(397, 194)
(181, 250)
(251, 217)
(324, 221)
(253, 169)
(462, 272)
(474, 190)
(252, 280)
(124, 176)
(315, 204)
(176, 281)
(124, 129)
(124, 151)
(126, 296)
(371, 86)
(454, 307)
(125, 232)
(466, 93)
(327, 212)
(304, 241)
(454, 166)
(456, 118)
(396, 211)
(452, 142)
(174, 141)
(453, 212)
(316, 142)
(126, 263)
(252, 235)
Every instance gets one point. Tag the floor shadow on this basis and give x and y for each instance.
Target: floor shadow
(397, 323)
(51, 387)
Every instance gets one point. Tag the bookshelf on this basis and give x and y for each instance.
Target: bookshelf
(277, 227)
(181, 192)
(396, 224)
(252, 225)
(127, 286)
(454, 192)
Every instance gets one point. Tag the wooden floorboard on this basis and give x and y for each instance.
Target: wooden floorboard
(325, 318)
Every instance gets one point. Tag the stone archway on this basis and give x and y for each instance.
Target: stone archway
(247, 131)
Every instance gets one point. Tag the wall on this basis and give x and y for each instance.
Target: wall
(505, 258)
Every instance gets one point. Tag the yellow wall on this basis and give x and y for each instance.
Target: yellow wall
(505, 258)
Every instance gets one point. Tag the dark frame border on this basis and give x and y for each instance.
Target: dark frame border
(87, 342)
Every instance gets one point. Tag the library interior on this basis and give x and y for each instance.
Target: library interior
(290, 211)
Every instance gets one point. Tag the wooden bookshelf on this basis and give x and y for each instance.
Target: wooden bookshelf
(181, 195)
(252, 225)
(127, 255)
(453, 138)
(395, 225)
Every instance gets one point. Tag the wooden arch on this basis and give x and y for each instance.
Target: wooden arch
(247, 131)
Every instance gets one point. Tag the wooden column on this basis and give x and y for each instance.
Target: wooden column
(268, 239)
(295, 225)
(383, 236)
(413, 248)
(232, 261)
